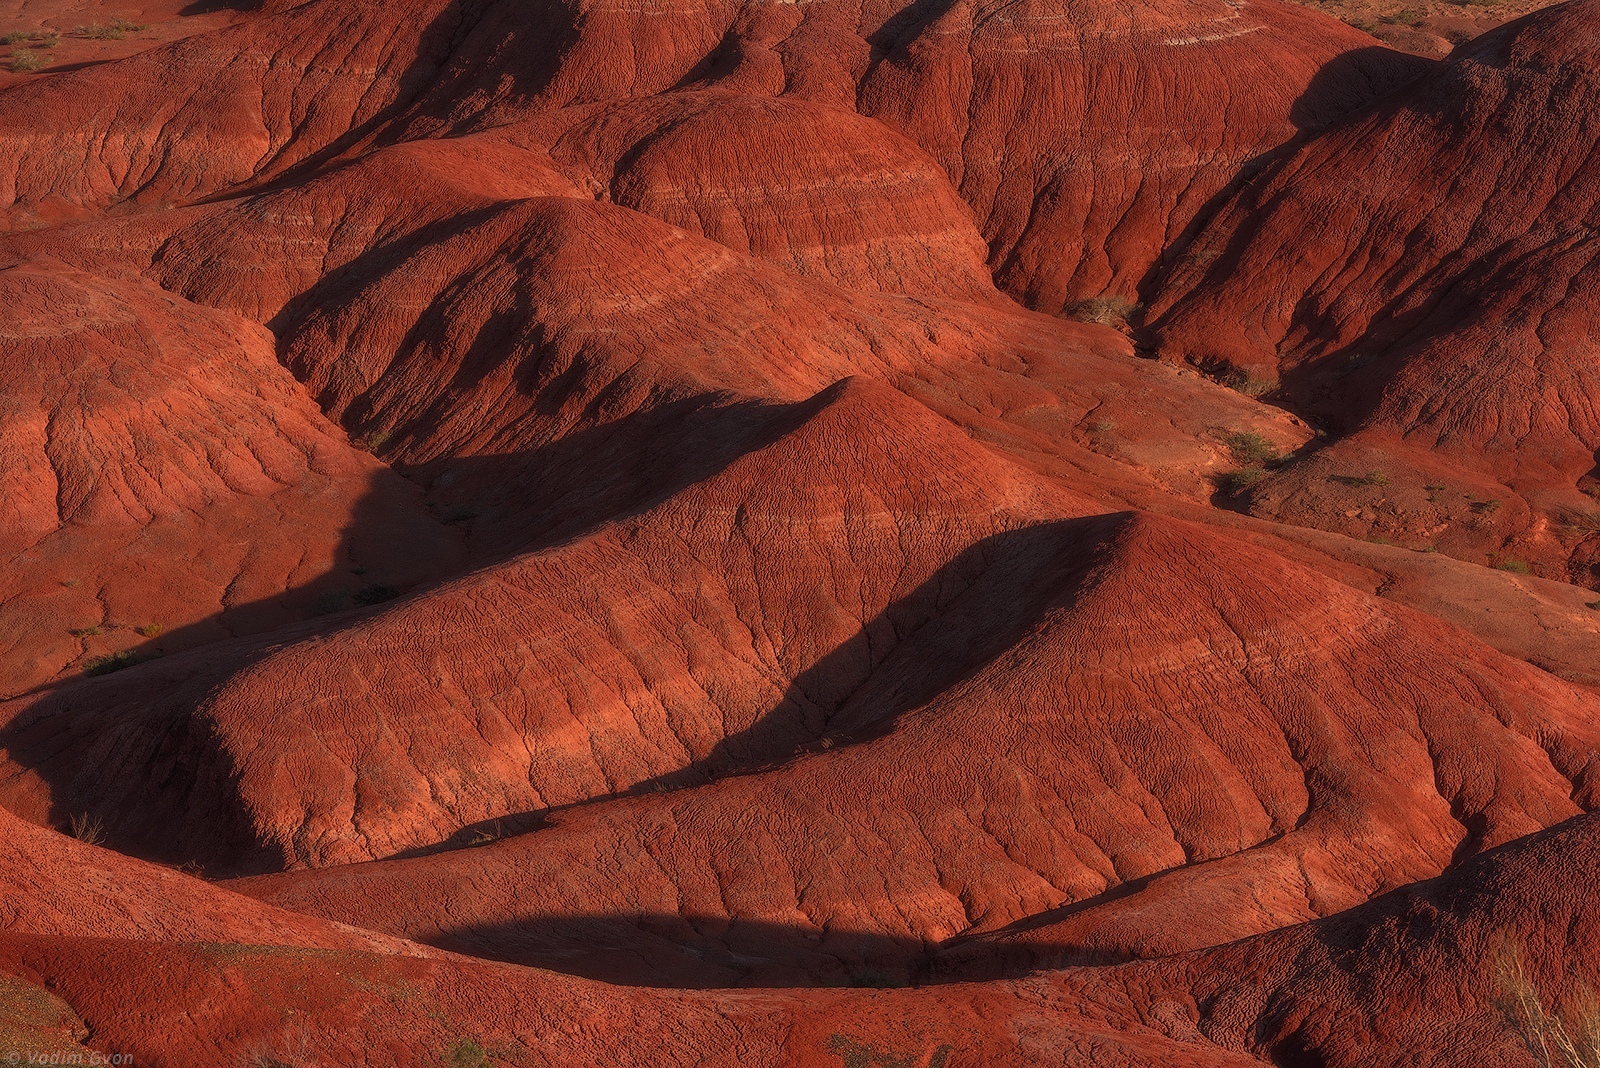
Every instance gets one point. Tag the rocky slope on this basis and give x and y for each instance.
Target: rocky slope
(578, 533)
(1439, 321)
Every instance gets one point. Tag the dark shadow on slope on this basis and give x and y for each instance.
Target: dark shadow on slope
(136, 749)
(206, 7)
(1343, 90)
(711, 952)
(470, 51)
(715, 952)
(696, 952)
(893, 40)
(973, 609)
(1352, 82)
(699, 951)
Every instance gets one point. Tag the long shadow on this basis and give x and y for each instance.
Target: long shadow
(135, 749)
(894, 38)
(656, 950)
(692, 952)
(970, 611)
(206, 7)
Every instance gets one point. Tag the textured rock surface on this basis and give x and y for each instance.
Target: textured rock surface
(148, 442)
(611, 520)
(1442, 311)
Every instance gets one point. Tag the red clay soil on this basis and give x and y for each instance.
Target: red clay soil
(1514, 931)
(1441, 320)
(578, 534)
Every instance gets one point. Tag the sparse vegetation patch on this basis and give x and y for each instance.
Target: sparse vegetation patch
(116, 30)
(1251, 448)
(87, 829)
(106, 665)
(467, 1054)
(1107, 311)
(1242, 479)
(1246, 383)
(1557, 1036)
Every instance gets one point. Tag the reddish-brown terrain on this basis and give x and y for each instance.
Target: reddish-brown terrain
(855, 534)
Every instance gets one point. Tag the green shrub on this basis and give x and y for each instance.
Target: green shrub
(1251, 448)
(1583, 522)
(372, 440)
(467, 1054)
(1242, 479)
(105, 665)
(26, 61)
(86, 632)
(116, 31)
(150, 630)
(1512, 564)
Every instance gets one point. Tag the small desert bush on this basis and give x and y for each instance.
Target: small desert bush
(1246, 383)
(467, 1054)
(372, 441)
(116, 31)
(1518, 567)
(1583, 522)
(150, 630)
(1242, 479)
(86, 632)
(106, 665)
(35, 38)
(1251, 448)
(87, 829)
(1107, 311)
(1558, 1036)
(26, 61)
